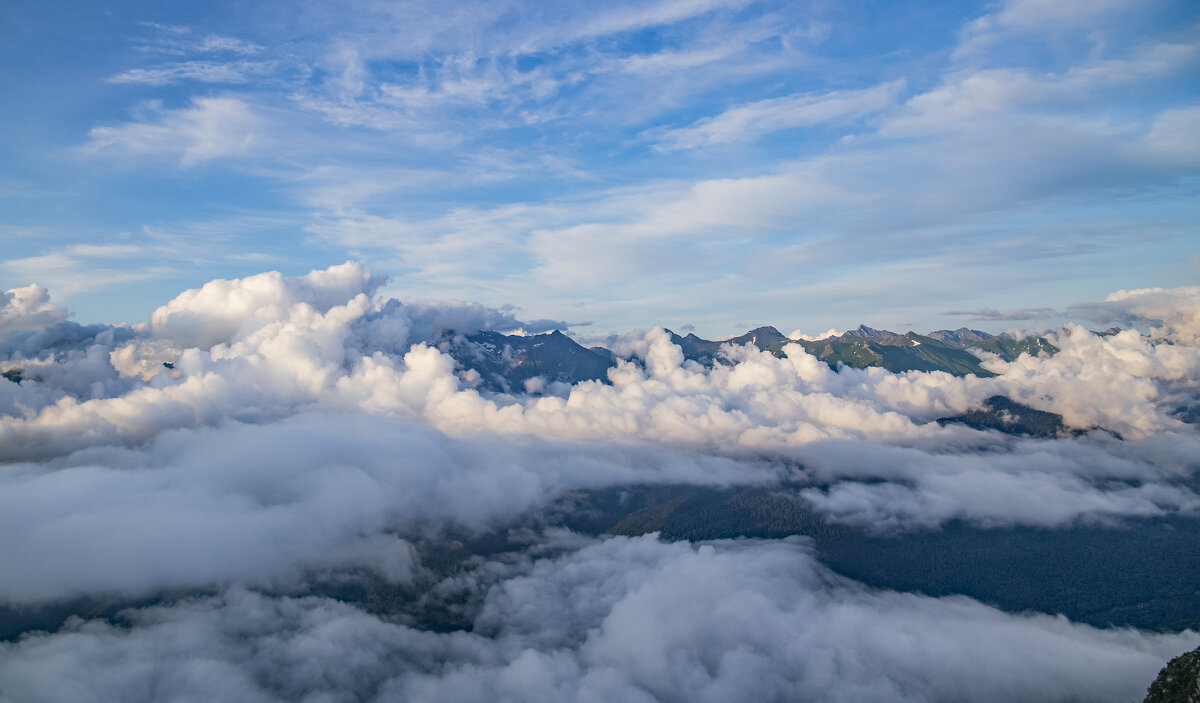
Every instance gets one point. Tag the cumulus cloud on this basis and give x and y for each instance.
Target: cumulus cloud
(28, 308)
(622, 619)
(223, 311)
(1170, 314)
(800, 335)
(1124, 382)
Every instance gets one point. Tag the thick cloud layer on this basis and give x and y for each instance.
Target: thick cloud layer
(622, 619)
(267, 347)
(1123, 382)
(258, 503)
(1027, 482)
(262, 430)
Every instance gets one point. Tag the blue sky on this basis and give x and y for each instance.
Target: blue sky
(720, 164)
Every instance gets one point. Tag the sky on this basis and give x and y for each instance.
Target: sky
(295, 205)
(715, 163)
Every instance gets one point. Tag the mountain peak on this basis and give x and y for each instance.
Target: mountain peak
(761, 337)
(961, 336)
(864, 332)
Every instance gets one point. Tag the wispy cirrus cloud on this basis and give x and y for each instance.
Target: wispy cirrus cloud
(211, 128)
(186, 55)
(746, 123)
(966, 96)
(151, 254)
(1022, 18)
(1017, 314)
(180, 39)
(235, 72)
(84, 269)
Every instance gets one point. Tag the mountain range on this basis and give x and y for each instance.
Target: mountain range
(942, 350)
(513, 363)
(526, 363)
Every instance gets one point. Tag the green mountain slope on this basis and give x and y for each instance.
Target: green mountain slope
(1178, 682)
(908, 352)
(1011, 417)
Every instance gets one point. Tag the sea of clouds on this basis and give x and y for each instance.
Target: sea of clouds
(258, 431)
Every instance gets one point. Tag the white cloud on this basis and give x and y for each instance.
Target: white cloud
(968, 95)
(1043, 14)
(621, 619)
(496, 94)
(801, 336)
(266, 347)
(746, 123)
(224, 311)
(81, 268)
(649, 15)
(1167, 313)
(815, 220)
(212, 128)
(1015, 18)
(218, 43)
(306, 428)
(1046, 484)
(181, 39)
(28, 308)
(203, 71)
(259, 504)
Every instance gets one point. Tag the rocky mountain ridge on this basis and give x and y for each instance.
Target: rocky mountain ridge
(528, 363)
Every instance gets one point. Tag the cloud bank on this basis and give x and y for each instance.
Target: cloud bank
(620, 619)
(258, 432)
